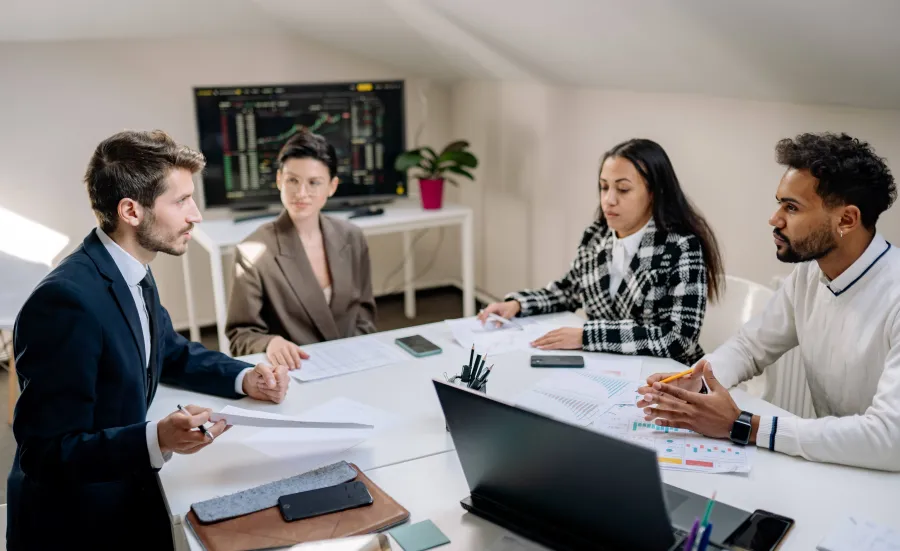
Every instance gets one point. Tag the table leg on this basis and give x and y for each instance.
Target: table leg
(13, 385)
(409, 276)
(189, 298)
(468, 267)
(218, 281)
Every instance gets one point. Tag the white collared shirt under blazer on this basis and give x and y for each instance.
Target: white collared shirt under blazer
(848, 334)
(658, 307)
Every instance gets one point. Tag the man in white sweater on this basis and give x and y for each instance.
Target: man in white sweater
(842, 310)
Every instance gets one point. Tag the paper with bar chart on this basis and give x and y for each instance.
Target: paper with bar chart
(577, 396)
(676, 449)
(606, 404)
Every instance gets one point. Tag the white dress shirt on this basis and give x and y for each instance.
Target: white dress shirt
(133, 272)
(848, 333)
(623, 251)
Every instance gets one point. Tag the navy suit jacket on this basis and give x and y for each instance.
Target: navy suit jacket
(82, 468)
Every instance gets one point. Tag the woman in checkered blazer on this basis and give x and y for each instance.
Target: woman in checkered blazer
(643, 271)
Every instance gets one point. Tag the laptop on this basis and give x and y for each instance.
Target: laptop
(565, 486)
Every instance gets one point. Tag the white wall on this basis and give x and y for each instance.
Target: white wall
(542, 146)
(58, 100)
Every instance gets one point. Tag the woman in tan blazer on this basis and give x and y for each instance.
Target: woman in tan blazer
(305, 277)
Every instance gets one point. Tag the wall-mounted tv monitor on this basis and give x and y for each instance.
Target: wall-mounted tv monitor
(241, 129)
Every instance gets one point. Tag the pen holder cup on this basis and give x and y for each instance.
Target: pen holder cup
(456, 380)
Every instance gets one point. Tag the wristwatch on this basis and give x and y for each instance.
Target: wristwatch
(740, 430)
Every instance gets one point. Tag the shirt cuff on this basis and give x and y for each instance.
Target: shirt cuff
(778, 434)
(239, 381)
(157, 459)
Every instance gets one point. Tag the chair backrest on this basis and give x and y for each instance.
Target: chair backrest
(742, 300)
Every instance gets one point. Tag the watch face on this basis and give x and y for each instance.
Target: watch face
(740, 431)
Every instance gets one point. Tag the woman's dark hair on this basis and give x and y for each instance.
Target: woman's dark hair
(849, 172)
(306, 145)
(672, 211)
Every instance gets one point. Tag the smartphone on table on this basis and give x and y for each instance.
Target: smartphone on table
(418, 346)
(547, 360)
(763, 531)
(313, 503)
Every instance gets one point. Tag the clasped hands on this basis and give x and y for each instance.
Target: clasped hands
(680, 404)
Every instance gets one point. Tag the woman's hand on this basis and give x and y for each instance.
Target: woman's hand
(564, 338)
(284, 352)
(507, 310)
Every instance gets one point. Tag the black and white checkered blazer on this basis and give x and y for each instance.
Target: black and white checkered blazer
(658, 308)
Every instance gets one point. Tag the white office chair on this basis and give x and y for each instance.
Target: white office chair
(784, 382)
(742, 300)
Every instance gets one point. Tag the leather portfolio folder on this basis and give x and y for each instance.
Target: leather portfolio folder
(267, 529)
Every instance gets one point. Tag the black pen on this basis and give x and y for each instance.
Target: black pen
(483, 380)
(467, 369)
(476, 371)
(201, 427)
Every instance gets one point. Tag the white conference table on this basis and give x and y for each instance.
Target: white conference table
(220, 236)
(415, 464)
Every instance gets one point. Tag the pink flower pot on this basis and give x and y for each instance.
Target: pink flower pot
(432, 192)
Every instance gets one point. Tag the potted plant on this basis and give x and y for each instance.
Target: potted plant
(434, 168)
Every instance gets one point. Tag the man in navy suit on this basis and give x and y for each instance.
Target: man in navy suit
(92, 344)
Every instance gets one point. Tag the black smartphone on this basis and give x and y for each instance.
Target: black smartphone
(418, 346)
(763, 531)
(313, 503)
(557, 361)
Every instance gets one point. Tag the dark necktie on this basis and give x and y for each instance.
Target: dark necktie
(148, 290)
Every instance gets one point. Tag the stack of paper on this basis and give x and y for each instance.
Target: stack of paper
(236, 416)
(318, 446)
(606, 404)
(510, 335)
(340, 357)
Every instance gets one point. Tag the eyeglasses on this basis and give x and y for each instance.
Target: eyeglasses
(313, 187)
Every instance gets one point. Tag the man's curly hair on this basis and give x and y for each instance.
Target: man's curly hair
(848, 170)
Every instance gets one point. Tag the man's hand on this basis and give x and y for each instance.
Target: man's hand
(710, 414)
(178, 431)
(691, 382)
(283, 352)
(564, 338)
(267, 383)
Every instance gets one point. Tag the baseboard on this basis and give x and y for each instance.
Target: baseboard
(480, 296)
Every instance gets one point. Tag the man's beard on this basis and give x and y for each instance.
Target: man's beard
(816, 245)
(153, 240)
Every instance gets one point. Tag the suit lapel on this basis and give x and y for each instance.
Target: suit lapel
(603, 255)
(337, 250)
(126, 304)
(118, 288)
(299, 274)
(637, 279)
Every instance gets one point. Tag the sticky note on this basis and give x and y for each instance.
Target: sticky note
(419, 536)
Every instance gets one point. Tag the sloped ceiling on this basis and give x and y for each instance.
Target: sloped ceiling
(810, 51)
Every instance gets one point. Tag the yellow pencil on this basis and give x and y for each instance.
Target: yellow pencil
(677, 376)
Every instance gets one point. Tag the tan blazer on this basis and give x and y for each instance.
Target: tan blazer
(275, 291)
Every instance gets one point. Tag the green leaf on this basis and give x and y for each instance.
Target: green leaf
(408, 160)
(429, 151)
(458, 145)
(461, 171)
(461, 158)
